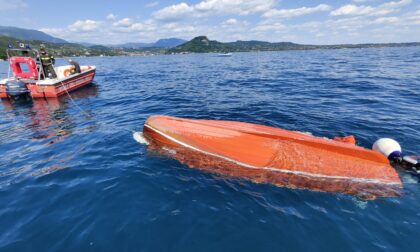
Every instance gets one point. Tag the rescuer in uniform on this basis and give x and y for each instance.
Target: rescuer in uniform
(47, 62)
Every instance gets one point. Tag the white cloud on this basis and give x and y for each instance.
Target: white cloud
(213, 7)
(386, 20)
(125, 22)
(234, 27)
(6, 5)
(178, 28)
(111, 17)
(139, 27)
(241, 7)
(412, 18)
(395, 4)
(152, 4)
(288, 13)
(357, 29)
(383, 9)
(127, 25)
(350, 9)
(57, 32)
(174, 12)
(230, 21)
(143, 26)
(271, 26)
(80, 28)
(84, 25)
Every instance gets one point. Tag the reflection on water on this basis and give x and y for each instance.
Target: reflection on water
(28, 126)
(47, 117)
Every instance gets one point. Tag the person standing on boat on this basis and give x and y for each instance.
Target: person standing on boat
(47, 62)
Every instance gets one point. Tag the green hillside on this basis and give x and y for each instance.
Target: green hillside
(254, 45)
(59, 49)
(202, 44)
(199, 44)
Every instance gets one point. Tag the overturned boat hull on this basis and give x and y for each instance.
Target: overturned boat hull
(271, 155)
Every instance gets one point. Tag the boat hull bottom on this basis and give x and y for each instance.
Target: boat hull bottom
(217, 165)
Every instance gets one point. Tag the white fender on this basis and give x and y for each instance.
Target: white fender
(387, 147)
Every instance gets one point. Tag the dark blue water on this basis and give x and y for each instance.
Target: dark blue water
(77, 181)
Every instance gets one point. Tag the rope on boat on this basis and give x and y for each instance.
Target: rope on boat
(74, 103)
(8, 72)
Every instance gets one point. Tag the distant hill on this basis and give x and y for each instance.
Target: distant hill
(76, 50)
(161, 43)
(169, 42)
(99, 47)
(28, 34)
(199, 44)
(202, 44)
(84, 43)
(133, 45)
(59, 49)
(264, 46)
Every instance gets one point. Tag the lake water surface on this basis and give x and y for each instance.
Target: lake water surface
(73, 179)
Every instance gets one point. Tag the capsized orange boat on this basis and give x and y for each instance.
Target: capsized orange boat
(271, 155)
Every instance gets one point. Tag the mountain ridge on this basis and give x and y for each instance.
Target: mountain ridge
(161, 43)
(36, 35)
(56, 49)
(202, 44)
(28, 34)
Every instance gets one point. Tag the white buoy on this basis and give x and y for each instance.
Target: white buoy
(387, 147)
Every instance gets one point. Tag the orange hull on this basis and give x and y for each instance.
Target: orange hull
(271, 155)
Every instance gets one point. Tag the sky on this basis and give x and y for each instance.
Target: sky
(299, 21)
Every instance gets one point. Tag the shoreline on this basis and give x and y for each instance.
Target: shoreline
(323, 47)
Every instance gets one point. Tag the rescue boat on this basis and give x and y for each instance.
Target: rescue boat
(26, 76)
(280, 157)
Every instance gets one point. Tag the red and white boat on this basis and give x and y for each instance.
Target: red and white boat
(26, 76)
